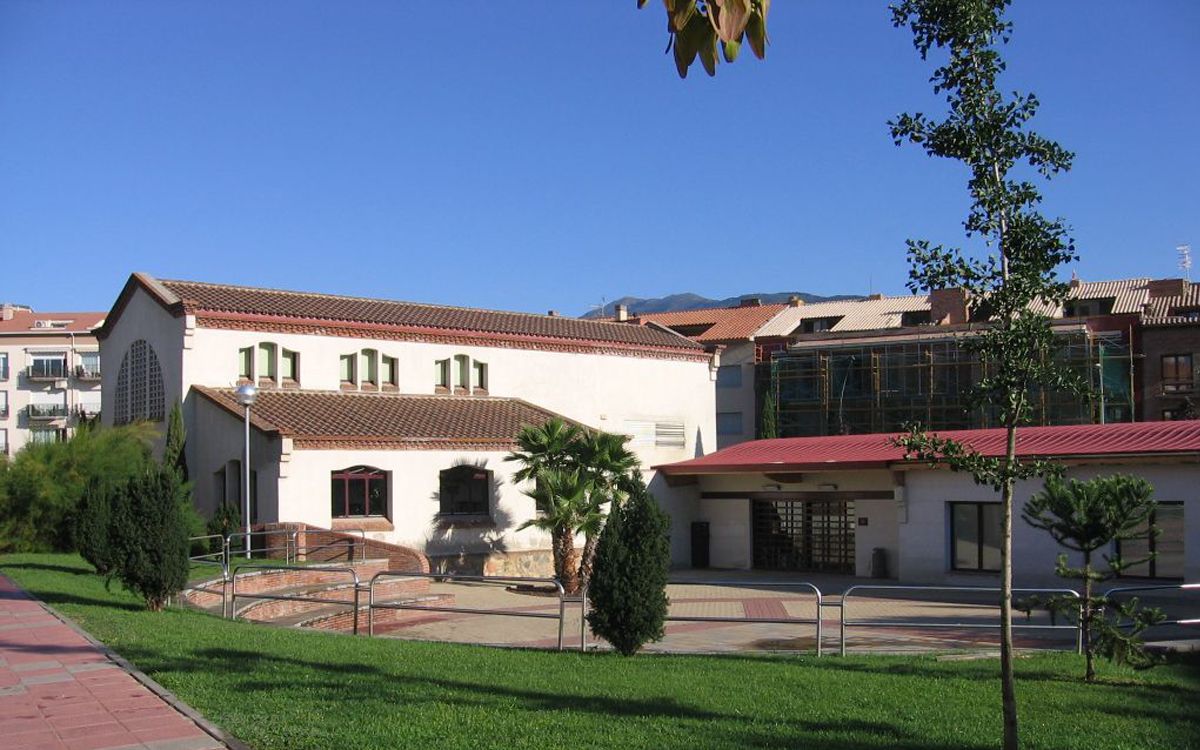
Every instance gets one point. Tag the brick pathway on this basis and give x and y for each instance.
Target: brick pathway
(59, 690)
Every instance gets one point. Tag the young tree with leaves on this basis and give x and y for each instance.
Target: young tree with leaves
(1014, 281)
(1088, 517)
(628, 591)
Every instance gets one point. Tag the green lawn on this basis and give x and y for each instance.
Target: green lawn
(289, 689)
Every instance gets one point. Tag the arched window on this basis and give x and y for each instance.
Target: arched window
(464, 491)
(139, 386)
(359, 491)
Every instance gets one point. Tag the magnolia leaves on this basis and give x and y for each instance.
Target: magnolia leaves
(699, 28)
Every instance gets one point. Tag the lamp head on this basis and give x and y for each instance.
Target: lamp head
(246, 395)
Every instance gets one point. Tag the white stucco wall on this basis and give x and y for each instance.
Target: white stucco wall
(729, 532)
(738, 399)
(924, 541)
(600, 390)
(143, 318)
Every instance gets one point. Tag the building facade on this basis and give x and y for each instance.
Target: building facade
(49, 374)
(852, 504)
(393, 417)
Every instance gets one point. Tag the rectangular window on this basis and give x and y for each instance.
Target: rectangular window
(3, 404)
(729, 376)
(266, 362)
(1177, 373)
(358, 491)
(975, 536)
(669, 435)
(388, 372)
(729, 423)
(441, 374)
(464, 491)
(347, 365)
(246, 363)
(289, 363)
(3, 366)
(479, 376)
(89, 365)
(462, 374)
(40, 436)
(370, 368)
(48, 365)
(1167, 547)
(3, 441)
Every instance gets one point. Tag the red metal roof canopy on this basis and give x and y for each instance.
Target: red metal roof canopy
(840, 452)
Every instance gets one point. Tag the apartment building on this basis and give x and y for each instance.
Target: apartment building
(394, 417)
(873, 365)
(49, 374)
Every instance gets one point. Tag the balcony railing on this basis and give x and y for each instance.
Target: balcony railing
(88, 409)
(87, 372)
(47, 369)
(47, 411)
(1178, 385)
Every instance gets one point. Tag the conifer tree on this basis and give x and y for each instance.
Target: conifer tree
(150, 536)
(628, 590)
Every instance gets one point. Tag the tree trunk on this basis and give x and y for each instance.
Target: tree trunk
(589, 559)
(1085, 619)
(570, 572)
(1007, 680)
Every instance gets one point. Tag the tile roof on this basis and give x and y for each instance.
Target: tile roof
(226, 301)
(1168, 310)
(1129, 295)
(331, 419)
(725, 323)
(876, 451)
(25, 322)
(856, 315)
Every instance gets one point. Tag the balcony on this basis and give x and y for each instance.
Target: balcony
(1178, 386)
(42, 412)
(89, 373)
(47, 370)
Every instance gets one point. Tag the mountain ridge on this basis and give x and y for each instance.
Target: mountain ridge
(691, 301)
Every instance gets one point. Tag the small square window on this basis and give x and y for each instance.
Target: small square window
(246, 363)
(388, 372)
(479, 376)
(289, 361)
(347, 364)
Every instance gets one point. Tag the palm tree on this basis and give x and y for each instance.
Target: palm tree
(549, 446)
(608, 464)
(564, 497)
(597, 465)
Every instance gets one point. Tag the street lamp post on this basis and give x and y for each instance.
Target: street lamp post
(1100, 371)
(246, 396)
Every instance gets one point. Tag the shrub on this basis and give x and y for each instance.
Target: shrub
(150, 535)
(43, 485)
(93, 527)
(629, 581)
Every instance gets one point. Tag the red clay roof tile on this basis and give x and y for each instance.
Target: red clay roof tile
(876, 451)
(385, 420)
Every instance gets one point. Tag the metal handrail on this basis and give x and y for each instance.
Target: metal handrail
(287, 548)
(562, 599)
(222, 559)
(845, 623)
(288, 598)
(362, 542)
(754, 584)
(1159, 587)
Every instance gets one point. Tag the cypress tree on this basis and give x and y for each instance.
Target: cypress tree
(150, 535)
(173, 451)
(628, 589)
(93, 527)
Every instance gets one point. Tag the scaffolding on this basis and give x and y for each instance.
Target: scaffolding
(855, 387)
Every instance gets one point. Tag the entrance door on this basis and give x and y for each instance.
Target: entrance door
(808, 535)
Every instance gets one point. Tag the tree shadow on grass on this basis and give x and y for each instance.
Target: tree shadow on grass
(337, 682)
(72, 569)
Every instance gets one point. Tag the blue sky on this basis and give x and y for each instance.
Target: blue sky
(544, 155)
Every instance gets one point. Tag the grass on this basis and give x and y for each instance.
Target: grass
(277, 688)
